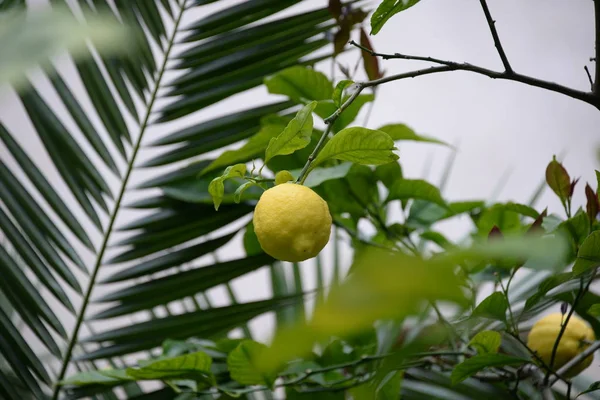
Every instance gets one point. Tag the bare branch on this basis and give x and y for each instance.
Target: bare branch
(576, 360)
(497, 43)
(446, 66)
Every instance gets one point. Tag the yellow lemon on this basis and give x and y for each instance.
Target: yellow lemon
(292, 222)
(573, 341)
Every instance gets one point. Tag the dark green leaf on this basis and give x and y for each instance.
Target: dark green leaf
(99, 377)
(251, 244)
(388, 173)
(195, 366)
(592, 388)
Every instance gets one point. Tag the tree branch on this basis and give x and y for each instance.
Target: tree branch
(596, 88)
(446, 66)
(576, 360)
(587, 71)
(497, 43)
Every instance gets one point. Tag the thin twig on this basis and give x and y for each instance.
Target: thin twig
(563, 327)
(497, 43)
(447, 66)
(596, 88)
(587, 70)
(313, 155)
(575, 360)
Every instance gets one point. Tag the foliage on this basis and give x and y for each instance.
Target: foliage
(414, 316)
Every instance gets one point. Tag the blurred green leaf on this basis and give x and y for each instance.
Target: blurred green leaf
(592, 388)
(216, 188)
(486, 342)
(501, 216)
(242, 364)
(386, 10)
(479, 362)
(588, 256)
(358, 145)
(237, 196)
(99, 377)
(494, 306)
(295, 136)
(594, 310)
(300, 84)
(29, 39)
(382, 285)
(404, 132)
(195, 366)
(251, 244)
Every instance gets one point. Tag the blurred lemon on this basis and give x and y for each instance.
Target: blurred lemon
(574, 340)
(292, 222)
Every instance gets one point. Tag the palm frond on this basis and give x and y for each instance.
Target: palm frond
(63, 221)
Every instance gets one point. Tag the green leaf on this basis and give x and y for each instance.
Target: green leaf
(386, 10)
(326, 108)
(237, 196)
(558, 179)
(494, 306)
(405, 189)
(194, 366)
(486, 342)
(295, 136)
(338, 92)
(594, 310)
(300, 84)
(216, 188)
(592, 388)
(242, 364)
(320, 175)
(588, 256)
(283, 176)
(99, 377)
(358, 145)
(522, 209)
(389, 389)
(270, 128)
(403, 132)
(500, 216)
(388, 173)
(479, 362)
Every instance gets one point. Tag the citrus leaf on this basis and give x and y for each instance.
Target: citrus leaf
(339, 91)
(283, 177)
(295, 136)
(194, 366)
(99, 377)
(588, 256)
(320, 175)
(300, 84)
(386, 10)
(270, 128)
(558, 179)
(251, 244)
(404, 132)
(594, 310)
(242, 364)
(237, 196)
(494, 306)
(405, 189)
(592, 388)
(216, 189)
(486, 342)
(358, 145)
(479, 362)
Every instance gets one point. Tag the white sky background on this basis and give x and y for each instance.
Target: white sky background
(498, 126)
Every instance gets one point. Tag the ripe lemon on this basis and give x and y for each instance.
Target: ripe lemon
(292, 222)
(545, 332)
